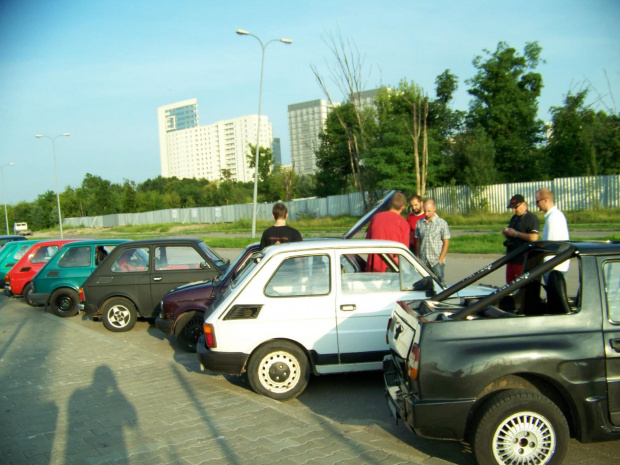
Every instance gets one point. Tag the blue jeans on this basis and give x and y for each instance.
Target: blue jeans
(437, 269)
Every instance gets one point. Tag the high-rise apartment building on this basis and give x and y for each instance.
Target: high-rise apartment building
(305, 122)
(188, 150)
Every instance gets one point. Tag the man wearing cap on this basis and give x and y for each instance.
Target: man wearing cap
(522, 228)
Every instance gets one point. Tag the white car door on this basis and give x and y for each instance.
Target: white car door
(365, 302)
(297, 303)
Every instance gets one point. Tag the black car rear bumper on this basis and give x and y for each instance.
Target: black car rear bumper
(220, 362)
(437, 419)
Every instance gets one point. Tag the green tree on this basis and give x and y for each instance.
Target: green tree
(394, 157)
(505, 105)
(582, 141)
(444, 124)
(267, 184)
(475, 153)
(128, 196)
(44, 212)
(98, 196)
(335, 165)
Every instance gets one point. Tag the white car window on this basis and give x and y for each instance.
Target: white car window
(300, 276)
(399, 276)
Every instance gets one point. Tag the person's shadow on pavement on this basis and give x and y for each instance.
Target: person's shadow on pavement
(97, 417)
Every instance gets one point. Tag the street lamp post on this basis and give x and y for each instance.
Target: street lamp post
(260, 95)
(53, 140)
(6, 217)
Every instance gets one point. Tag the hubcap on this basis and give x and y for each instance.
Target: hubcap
(119, 316)
(65, 303)
(525, 438)
(279, 371)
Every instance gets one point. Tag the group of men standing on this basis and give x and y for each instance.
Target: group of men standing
(524, 227)
(428, 236)
(424, 232)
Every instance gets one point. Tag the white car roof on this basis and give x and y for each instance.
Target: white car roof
(324, 244)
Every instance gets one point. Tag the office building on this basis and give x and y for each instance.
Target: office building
(305, 122)
(277, 151)
(188, 150)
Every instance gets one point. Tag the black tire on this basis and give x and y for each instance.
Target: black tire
(26, 293)
(188, 336)
(279, 370)
(64, 302)
(520, 427)
(119, 314)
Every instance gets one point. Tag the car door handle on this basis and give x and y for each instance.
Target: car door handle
(348, 308)
(157, 278)
(615, 344)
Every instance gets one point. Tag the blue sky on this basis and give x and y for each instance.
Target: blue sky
(99, 69)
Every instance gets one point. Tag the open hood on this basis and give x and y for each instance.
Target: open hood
(382, 205)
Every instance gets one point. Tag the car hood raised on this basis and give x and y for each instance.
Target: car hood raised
(363, 221)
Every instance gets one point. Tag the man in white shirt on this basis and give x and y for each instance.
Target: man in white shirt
(556, 227)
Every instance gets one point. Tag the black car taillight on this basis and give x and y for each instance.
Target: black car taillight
(413, 362)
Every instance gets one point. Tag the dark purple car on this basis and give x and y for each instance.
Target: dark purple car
(183, 309)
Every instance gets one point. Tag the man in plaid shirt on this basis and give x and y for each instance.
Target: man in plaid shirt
(433, 237)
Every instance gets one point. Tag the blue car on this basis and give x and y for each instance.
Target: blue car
(58, 282)
(10, 238)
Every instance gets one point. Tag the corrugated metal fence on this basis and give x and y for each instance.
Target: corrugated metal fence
(591, 192)
(582, 193)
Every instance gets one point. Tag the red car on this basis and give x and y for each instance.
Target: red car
(17, 280)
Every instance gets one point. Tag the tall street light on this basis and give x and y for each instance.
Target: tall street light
(53, 140)
(6, 218)
(260, 95)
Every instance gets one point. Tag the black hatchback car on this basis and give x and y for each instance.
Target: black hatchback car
(132, 280)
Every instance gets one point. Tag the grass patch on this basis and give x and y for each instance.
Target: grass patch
(229, 242)
(477, 243)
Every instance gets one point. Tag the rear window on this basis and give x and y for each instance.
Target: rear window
(44, 254)
(183, 257)
(75, 257)
(132, 260)
(21, 252)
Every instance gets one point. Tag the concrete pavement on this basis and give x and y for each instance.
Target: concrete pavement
(72, 392)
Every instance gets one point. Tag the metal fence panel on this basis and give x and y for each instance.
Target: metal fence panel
(588, 192)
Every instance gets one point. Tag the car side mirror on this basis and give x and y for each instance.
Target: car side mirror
(425, 284)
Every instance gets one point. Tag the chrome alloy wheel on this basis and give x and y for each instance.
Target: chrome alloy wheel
(119, 316)
(524, 438)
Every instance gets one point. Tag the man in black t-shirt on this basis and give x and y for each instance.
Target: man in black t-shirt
(522, 228)
(279, 233)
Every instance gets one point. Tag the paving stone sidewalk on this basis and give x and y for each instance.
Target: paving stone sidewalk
(72, 394)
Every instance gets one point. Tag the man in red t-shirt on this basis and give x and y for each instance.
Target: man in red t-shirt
(416, 206)
(388, 225)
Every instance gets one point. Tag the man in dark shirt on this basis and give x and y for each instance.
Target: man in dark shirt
(523, 228)
(279, 233)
